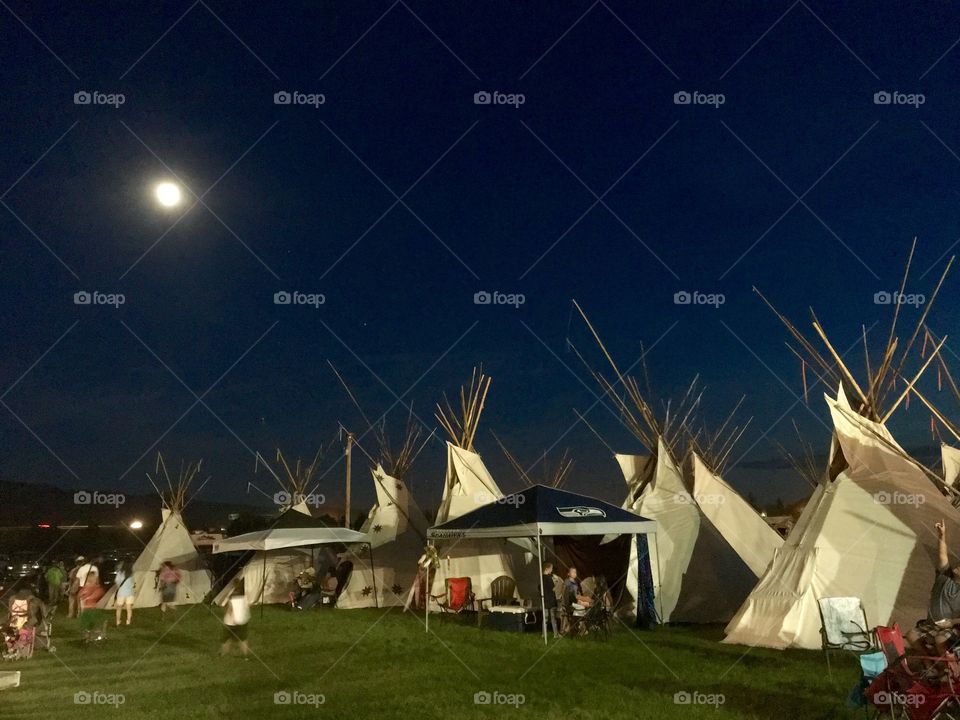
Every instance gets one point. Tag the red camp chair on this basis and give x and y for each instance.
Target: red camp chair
(458, 598)
(906, 692)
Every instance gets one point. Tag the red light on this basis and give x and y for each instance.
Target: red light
(44, 525)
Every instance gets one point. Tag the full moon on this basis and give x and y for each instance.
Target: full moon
(168, 194)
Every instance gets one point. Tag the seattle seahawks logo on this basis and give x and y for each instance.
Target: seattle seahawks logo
(579, 511)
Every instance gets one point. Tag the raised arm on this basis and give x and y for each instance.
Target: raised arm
(943, 556)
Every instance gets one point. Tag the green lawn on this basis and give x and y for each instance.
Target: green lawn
(382, 665)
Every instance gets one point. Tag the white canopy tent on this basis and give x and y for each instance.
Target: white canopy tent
(281, 553)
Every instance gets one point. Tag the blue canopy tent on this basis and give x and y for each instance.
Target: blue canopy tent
(540, 511)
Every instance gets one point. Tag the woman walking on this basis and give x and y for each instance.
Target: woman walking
(125, 588)
(169, 578)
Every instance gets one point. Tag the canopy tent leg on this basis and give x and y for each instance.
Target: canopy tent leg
(543, 600)
(263, 584)
(426, 598)
(373, 573)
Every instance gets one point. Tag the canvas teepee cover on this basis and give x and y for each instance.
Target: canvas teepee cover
(467, 486)
(711, 545)
(867, 533)
(396, 529)
(170, 542)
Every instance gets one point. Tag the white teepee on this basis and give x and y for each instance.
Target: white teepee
(396, 529)
(711, 546)
(170, 542)
(867, 532)
(467, 486)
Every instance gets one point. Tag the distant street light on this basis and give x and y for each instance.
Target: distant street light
(136, 525)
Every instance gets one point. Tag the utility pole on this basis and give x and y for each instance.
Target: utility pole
(346, 506)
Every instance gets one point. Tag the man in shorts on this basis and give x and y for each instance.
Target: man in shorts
(938, 632)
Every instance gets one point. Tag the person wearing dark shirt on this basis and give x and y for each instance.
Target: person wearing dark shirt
(550, 597)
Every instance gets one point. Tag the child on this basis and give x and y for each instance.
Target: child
(235, 620)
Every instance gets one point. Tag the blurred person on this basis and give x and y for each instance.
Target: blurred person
(168, 578)
(73, 587)
(236, 619)
(54, 576)
(125, 587)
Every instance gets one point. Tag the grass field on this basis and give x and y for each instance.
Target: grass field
(381, 664)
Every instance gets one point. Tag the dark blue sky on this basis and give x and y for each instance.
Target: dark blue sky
(400, 198)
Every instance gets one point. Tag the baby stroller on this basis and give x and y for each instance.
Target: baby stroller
(28, 627)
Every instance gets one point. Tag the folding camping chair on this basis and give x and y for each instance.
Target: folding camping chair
(458, 597)
(844, 626)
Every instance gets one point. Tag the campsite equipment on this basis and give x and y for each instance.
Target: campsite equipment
(930, 693)
(171, 541)
(542, 512)
(9, 679)
(844, 626)
(458, 598)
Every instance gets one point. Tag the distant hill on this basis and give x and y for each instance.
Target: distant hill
(32, 504)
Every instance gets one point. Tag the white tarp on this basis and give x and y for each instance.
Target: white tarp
(396, 529)
(280, 538)
(170, 542)
(868, 533)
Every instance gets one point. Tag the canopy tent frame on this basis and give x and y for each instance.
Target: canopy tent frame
(626, 523)
(260, 540)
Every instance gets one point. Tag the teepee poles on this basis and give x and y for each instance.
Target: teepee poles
(461, 423)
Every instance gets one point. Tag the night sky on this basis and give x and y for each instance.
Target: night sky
(400, 197)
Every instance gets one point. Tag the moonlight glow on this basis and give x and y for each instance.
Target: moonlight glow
(168, 194)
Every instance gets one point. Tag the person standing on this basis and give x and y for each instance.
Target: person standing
(236, 621)
(168, 578)
(54, 576)
(125, 587)
(73, 588)
(88, 596)
(550, 597)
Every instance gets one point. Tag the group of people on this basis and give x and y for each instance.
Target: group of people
(308, 592)
(564, 597)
